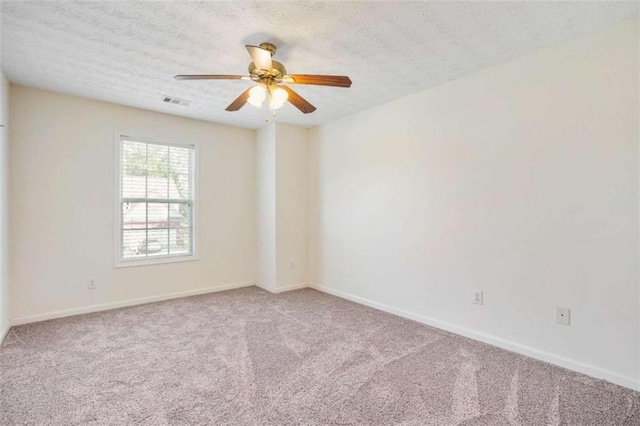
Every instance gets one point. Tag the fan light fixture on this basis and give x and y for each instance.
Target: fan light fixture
(277, 96)
(269, 75)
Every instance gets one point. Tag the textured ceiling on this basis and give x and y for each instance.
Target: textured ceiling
(127, 52)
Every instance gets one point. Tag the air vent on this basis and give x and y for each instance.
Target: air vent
(175, 101)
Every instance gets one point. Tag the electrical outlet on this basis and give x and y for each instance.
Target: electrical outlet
(563, 316)
(292, 264)
(477, 297)
(91, 284)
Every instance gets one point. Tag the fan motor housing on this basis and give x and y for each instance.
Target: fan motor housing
(276, 73)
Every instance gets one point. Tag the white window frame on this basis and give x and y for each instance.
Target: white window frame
(118, 262)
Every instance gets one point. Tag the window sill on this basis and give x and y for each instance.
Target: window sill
(158, 261)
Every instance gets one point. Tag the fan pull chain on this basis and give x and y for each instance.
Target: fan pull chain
(273, 115)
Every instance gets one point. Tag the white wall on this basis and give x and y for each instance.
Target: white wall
(266, 206)
(521, 180)
(62, 204)
(281, 162)
(291, 206)
(4, 206)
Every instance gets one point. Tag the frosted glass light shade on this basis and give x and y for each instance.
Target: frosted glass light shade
(257, 95)
(277, 98)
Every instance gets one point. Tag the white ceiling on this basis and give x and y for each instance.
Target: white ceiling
(128, 52)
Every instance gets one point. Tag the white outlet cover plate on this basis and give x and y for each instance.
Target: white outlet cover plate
(563, 316)
(477, 297)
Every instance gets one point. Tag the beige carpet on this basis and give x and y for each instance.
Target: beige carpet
(247, 357)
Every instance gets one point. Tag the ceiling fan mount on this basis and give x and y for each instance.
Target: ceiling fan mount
(274, 75)
(269, 75)
(269, 47)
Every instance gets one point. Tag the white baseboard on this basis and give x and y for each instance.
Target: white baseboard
(124, 303)
(290, 287)
(284, 288)
(3, 333)
(529, 351)
(262, 287)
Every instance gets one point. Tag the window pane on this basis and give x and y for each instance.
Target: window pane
(134, 215)
(134, 169)
(133, 244)
(158, 215)
(180, 166)
(158, 242)
(158, 174)
(180, 233)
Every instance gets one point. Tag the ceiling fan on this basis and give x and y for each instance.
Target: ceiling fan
(269, 75)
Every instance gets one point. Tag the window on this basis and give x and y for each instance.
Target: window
(156, 198)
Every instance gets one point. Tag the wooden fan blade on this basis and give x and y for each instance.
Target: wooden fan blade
(260, 57)
(212, 77)
(239, 102)
(298, 101)
(319, 80)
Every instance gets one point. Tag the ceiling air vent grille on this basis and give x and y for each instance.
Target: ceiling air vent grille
(175, 101)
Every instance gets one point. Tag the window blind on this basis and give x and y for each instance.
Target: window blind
(156, 199)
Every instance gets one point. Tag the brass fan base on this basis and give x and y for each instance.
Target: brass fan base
(275, 75)
(268, 77)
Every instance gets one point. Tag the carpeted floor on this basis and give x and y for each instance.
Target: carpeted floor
(247, 357)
